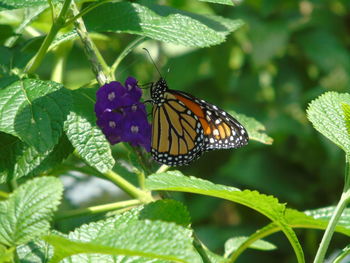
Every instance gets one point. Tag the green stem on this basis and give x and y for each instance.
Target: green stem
(263, 232)
(56, 26)
(162, 169)
(343, 254)
(343, 202)
(27, 19)
(60, 61)
(124, 53)
(99, 66)
(143, 161)
(53, 15)
(97, 209)
(143, 196)
(85, 11)
(142, 179)
(201, 249)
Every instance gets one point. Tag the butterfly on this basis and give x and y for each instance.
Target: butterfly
(184, 126)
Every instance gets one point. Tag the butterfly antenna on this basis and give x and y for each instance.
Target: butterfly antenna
(166, 74)
(153, 62)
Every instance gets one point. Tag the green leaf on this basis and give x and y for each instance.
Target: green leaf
(213, 258)
(254, 128)
(223, 2)
(37, 251)
(29, 15)
(327, 116)
(128, 236)
(63, 38)
(15, 4)
(6, 255)
(18, 159)
(168, 211)
(323, 215)
(176, 181)
(161, 23)
(346, 112)
(34, 110)
(25, 215)
(312, 219)
(83, 133)
(266, 205)
(30, 162)
(232, 244)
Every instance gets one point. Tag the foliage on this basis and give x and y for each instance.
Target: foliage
(27, 212)
(263, 61)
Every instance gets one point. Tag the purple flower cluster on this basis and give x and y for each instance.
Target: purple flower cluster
(121, 115)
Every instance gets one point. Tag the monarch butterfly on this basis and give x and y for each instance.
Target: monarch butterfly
(184, 126)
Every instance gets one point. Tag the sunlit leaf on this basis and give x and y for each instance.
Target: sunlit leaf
(266, 205)
(327, 116)
(6, 255)
(37, 251)
(83, 133)
(311, 219)
(176, 181)
(128, 236)
(223, 2)
(161, 23)
(15, 4)
(26, 214)
(323, 215)
(168, 211)
(34, 110)
(346, 111)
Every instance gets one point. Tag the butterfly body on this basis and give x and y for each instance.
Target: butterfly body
(185, 126)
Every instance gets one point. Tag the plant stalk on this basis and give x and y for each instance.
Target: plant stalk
(97, 209)
(85, 11)
(133, 191)
(35, 62)
(343, 254)
(99, 66)
(343, 202)
(124, 53)
(263, 232)
(162, 169)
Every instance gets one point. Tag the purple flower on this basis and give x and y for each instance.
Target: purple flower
(121, 115)
(133, 90)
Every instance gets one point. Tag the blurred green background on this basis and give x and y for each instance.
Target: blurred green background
(287, 54)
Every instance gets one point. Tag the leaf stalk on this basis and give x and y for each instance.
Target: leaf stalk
(343, 202)
(35, 62)
(98, 64)
(97, 209)
(133, 191)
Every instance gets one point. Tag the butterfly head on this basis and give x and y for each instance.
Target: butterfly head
(157, 91)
